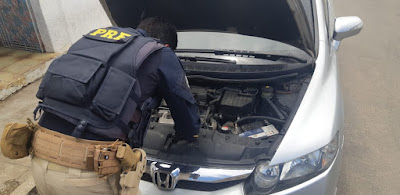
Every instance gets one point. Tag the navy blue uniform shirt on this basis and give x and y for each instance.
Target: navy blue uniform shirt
(161, 74)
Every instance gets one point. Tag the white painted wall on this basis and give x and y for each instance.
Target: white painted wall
(63, 22)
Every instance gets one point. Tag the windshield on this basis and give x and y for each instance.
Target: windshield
(228, 41)
(260, 26)
(191, 42)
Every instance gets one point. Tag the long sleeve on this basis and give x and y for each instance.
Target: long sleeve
(173, 87)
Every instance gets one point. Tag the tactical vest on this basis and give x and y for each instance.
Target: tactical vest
(94, 85)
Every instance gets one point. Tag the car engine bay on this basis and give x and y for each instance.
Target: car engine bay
(240, 122)
(255, 111)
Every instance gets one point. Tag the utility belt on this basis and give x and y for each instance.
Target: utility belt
(103, 157)
(99, 156)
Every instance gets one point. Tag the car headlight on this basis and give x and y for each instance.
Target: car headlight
(266, 178)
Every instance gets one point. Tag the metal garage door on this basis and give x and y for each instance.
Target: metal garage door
(18, 27)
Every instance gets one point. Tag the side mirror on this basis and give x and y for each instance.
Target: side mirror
(347, 27)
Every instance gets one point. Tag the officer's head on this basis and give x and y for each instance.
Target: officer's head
(162, 29)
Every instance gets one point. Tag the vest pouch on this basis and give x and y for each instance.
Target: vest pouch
(16, 140)
(73, 79)
(113, 94)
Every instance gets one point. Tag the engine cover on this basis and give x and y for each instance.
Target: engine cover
(237, 103)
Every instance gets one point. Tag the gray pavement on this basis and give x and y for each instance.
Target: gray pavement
(370, 71)
(15, 175)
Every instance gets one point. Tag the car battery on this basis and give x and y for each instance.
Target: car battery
(260, 132)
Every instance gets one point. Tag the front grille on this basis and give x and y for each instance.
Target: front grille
(198, 186)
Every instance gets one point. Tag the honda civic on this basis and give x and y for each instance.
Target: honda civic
(265, 77)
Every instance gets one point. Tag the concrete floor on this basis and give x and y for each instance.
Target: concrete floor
(17, 108)
(19, 68)
(371, 86)
(369, 66)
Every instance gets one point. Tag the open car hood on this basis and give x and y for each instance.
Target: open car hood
(289, 21)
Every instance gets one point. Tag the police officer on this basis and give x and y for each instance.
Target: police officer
(97, 96)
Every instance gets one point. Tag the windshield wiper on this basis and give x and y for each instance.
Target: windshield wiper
(270, 55)
(204, 59)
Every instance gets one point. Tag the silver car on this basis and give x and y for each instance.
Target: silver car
(265, 77)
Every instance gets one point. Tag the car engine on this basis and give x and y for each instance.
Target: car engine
(240, 120)
(247, 111)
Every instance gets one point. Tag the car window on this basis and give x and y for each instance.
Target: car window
(228, 41)
(307, 5)
(329, 19)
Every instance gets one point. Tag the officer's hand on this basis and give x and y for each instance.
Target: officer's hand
(194, 141)
(176, 138)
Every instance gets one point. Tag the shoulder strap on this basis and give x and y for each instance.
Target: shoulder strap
(145, 51)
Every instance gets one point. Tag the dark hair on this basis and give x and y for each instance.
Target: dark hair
(162, 29)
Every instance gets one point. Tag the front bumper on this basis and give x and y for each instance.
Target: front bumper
(325, 183)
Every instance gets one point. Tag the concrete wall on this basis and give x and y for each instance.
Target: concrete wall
(62, 22)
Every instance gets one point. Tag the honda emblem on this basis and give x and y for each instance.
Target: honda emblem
(164, 176)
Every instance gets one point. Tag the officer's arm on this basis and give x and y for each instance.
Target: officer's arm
(175, 90)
